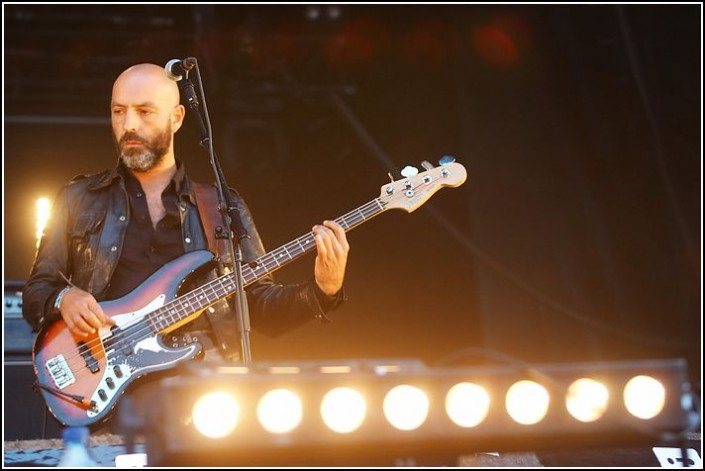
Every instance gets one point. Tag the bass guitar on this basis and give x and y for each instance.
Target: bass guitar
(81, 379)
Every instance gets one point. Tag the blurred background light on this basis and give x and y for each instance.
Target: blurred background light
(215, 414)
(43, 211)
(467, 404)
(644, 397)
(527, 402)
(343, 409)
(587, 399)
(406, 407)
(280, 411)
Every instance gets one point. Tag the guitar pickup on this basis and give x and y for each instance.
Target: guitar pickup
(91, 362)
(113, 341)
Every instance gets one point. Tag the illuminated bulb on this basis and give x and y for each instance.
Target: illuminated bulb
(527, 402)
(644, 397)
(343, 409)
(405, 407)
(215, 414)
(587, 399)
(43, 211)
(467, 404)
(279, 411)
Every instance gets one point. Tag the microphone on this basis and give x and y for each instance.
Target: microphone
(176, 69)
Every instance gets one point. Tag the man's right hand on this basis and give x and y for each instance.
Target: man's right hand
(82, 313)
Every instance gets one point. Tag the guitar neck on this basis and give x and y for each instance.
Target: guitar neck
(408, 193)
(279, 257)
(213, 291)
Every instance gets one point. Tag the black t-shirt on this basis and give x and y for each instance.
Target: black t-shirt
(146, 249)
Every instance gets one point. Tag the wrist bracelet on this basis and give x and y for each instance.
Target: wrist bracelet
(60, 297)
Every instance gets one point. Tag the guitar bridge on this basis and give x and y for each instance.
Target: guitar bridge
(60, 372)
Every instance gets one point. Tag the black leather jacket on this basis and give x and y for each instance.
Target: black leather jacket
(83, 242)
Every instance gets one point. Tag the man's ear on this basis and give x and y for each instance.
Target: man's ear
(177, 117)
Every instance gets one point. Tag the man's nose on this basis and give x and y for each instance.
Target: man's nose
(131, 122)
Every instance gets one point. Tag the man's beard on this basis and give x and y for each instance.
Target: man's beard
(142, 159)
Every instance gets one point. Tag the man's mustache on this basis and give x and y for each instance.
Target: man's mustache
(132, 137)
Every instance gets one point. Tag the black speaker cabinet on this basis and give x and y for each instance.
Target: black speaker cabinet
(25, 414)
(17, 335)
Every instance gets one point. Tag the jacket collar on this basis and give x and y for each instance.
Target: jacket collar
(119, 173)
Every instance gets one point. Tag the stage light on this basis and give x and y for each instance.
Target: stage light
(343, 409)
(405, 407)
(527, 402)
(280, 411)
(312, 13)
(644, 397)
(587, 399)
(215, 414)
(372, 412)
(467, 404)
(43, 211)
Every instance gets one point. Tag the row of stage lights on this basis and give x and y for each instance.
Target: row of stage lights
(268, 414)
(343, 409)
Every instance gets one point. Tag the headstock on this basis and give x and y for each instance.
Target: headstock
(414, 189)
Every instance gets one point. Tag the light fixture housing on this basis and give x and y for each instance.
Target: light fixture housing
(172, 439)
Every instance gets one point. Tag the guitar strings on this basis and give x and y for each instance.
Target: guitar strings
(268, 262)
(379, 207)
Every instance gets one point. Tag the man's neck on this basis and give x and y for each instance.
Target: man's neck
(156, 179)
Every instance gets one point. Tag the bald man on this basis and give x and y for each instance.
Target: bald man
(110, 231)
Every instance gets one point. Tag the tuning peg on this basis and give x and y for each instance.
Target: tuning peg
(446, 159)
(427, 165)
(409, 171)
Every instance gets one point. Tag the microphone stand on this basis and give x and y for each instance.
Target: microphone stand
(227, 206)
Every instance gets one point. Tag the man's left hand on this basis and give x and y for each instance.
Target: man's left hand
(333, 248)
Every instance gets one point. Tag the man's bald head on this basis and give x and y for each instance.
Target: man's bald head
(148, 79)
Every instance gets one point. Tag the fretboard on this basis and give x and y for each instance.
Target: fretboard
(213, 291)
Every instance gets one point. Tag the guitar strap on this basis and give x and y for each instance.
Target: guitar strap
(223, 322)
(207, 200)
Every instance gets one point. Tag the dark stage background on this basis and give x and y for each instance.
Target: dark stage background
(576, 237)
